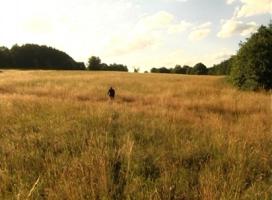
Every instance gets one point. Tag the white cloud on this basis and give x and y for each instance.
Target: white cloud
(200, 32)
(255, 7)
(150, 31)
(176, 1)
(235, 27)
(252, 7)
(230, 1)
(179, 27)
(127, 45)
(159, 20)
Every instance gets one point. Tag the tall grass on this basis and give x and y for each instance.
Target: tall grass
(163, 137)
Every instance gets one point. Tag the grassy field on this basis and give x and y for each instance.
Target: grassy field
(164, 137)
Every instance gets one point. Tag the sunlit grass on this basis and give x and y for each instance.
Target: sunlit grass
(163, 137)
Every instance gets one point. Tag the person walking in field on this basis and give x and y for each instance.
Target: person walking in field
(111, 93)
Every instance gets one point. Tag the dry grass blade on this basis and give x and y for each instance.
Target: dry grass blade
(33, 187)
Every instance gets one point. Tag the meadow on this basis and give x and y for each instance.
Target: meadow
(164, 137)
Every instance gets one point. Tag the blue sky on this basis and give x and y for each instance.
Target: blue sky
(139, 33)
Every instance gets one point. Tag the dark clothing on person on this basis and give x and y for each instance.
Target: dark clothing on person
(111, 93)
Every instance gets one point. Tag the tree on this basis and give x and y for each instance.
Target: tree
(187, 69)
(5, 57)
(94, 63)
(179, 70)
(136, 70)
(222, 68)
(160, 70)
(117, 67)
(200, 69)
(252, 66)
(32, 56)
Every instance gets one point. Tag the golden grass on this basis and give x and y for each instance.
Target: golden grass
(163, 137)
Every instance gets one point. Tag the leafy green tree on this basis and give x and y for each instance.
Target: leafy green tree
(252, 66)
(94, 63)
(117, 67)
(187, 69)
(160, 70)
(200, 69)
(32, 56)
(179, 70)
(5, 58)
(222, 68)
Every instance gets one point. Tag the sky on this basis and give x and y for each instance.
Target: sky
(138, 33)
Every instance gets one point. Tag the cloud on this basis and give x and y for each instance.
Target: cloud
(255, 7)
(148, 32)
(252, 7)
(200, 32)
(179, 27)
(159, 20)
(182, 1)
(233, 27)
(230, 1)
(121, 45)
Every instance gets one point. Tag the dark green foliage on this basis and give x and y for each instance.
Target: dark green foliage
(188, 69)
(32, 56)
(176, 70)
(222, 68)
(116, 67)
(179, 70)
(5, 57)
(200, 69)
(252, 66)
(160, 70)
(94, 64)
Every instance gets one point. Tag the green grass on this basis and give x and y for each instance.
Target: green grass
(163, 137)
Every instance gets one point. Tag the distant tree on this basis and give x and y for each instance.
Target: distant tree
(5, 58)
(104, 67)
(160, 70)
(117, 67)
(81, 65)
(154, 70)
(94, 63)
(178, 70)
(222, 68)
(32, 56)
(136, 70)
(200, 69)
(187, 69)
(252, 66)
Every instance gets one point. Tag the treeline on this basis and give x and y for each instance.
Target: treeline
(249, 69)
(222, 68)
(32, 56)
(198, 69)
(95, 64)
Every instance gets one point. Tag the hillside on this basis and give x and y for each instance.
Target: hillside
(163, 137)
